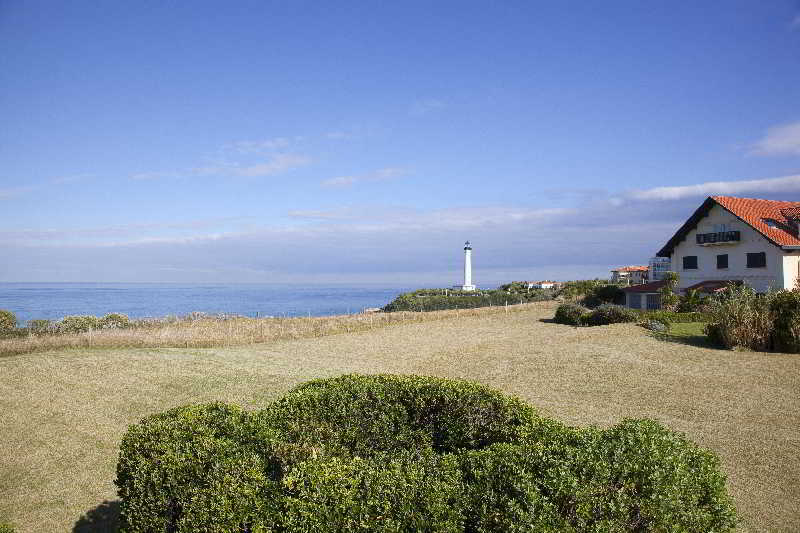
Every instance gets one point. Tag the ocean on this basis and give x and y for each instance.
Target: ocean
(137, 300)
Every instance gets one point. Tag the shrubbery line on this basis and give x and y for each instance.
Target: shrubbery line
(443, 299)
(207, 332)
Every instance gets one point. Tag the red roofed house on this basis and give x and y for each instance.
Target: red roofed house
(739, 240)
(633, 275)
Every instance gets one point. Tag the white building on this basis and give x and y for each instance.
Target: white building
(739, 240)
(632, 275)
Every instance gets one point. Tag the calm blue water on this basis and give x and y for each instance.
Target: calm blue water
(55, 300)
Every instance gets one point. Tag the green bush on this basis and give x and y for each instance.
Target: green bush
(400, 412)
(8, 321)
(114, 321)
(635, 476)
(77, 324)
(673, 317)
(785, 308)
(571, 314)
(409, 453)
(5, 527)
(411, 490)
(611, 314)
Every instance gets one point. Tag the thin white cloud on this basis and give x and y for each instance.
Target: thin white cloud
(780, 140)
(339, 135)
(423, 107)
(275, 164)
(379, 175)
(278, 164)
(265, 145)
(13, 192)
(787, 184)
(148, 176)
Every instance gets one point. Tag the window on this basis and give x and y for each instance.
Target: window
(690, 262)
(654, 301)
(722, 261)
(757, 260)
(634, 300)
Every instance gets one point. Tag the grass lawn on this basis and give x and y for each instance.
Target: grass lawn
(63, 413)
(692, 333)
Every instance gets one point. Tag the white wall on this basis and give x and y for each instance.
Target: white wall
(775, 274)
(791, 270)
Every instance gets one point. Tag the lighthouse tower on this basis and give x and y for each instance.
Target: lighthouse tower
(467, 286)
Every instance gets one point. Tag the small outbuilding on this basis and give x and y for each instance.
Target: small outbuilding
(644, 296)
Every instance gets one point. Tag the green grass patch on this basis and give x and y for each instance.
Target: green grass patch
(692, 333)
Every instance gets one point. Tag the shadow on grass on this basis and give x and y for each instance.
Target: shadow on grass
(548, 320)
(101, 519)
(700, 341)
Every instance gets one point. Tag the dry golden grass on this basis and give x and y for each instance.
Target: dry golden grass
(64, 412)
(213, 332)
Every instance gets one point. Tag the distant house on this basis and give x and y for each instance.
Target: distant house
(737, 240)
(632, 275)
(543, 284)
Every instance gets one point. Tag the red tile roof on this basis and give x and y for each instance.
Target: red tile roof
(632, 269)
(756, 213)
(753, 212)
(653, 286)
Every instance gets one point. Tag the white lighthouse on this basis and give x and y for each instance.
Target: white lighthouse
(467, 286)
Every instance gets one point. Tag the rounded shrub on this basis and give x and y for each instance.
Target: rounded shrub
(8, 321)
(570, 314)
(78, 324)
(409, 453)
(611, 314)
(114, 321)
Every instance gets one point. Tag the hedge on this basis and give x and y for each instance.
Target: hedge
(673, 317)
(409, 453)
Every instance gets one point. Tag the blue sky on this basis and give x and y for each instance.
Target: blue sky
(364, 142)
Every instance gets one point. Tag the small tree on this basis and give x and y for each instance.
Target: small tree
(669, 300)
